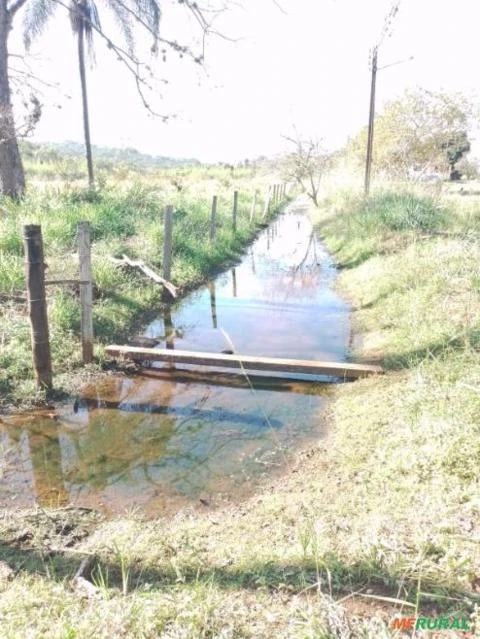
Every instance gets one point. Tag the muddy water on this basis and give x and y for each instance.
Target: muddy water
(177, 434)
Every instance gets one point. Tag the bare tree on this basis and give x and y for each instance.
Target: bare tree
(305, 165)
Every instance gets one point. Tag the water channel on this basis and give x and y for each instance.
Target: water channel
(176, 434)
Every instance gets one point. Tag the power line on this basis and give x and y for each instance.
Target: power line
(387, 24)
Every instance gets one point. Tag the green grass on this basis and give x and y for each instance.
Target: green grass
(382, 517)
(124, 220)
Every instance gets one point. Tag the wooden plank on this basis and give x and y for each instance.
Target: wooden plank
(249, 362)
(86, 296)
(37, 305)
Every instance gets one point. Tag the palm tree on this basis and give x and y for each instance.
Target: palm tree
(84, 20)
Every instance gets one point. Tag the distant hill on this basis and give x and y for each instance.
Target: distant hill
(54, 151)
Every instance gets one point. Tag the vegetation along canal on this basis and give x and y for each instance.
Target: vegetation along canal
(175, 434)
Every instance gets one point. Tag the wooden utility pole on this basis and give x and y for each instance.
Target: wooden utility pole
(213, 217)
(235, 210)
(86, 297)
(167, 242)
(371, 118)
(37, 305)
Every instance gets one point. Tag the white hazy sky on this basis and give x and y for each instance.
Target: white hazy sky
(306, 65)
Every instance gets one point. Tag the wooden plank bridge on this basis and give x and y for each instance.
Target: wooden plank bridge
(344, 370)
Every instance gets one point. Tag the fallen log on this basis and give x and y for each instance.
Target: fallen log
(344, 370)
(171, 288)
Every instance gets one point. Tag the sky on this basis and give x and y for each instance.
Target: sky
(283, 65)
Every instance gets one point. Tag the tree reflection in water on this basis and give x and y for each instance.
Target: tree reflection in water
(175, 431)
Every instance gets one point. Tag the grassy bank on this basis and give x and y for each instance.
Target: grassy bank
(382, 517)
(124, 220)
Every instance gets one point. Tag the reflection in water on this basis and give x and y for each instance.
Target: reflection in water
(179, 432)
(213, 303)
(168, 328)
(46, 459)
(252, 255)
(36, 453)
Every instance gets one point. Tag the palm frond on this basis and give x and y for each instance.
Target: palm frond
(149, 10)
(84, 19)
(36, 16)
(145, 13)
(124, 21)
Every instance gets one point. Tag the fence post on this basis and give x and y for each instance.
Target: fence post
(167, 243)
(235, 209)
(254, 206)
(213, 217)
(86, 297)
(267, 201)
(37, 304)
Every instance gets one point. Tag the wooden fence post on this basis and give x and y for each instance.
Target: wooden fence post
(267, 201)
(167, 243)
(235, 209)
(37, 304)
(213, 217)
(86, 297)
(254, 206)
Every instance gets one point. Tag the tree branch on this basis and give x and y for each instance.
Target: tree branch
(13, 8)
(131, 62)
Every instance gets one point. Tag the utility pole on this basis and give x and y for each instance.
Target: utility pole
(386, 31)
(371, 119)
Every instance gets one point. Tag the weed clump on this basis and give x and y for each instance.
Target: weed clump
(391, 211)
